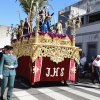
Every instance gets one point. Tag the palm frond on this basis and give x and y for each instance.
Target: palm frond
(27, 5)
(46, 3)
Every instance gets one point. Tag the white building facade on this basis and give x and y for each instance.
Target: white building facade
(4, 37)
(88, 36)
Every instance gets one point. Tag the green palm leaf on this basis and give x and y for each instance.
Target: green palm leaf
(27, 5)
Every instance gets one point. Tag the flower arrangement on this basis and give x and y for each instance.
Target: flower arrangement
(51, 34)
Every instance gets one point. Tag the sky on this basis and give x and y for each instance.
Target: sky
(9, 8)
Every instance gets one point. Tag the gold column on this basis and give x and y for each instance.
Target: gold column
(37, 29)
(30, 26)
(73, 34)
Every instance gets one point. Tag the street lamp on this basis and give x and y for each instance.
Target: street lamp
(73, 22)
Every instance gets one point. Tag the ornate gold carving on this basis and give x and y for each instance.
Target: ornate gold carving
(55, 48)
(45, 39)
(31, 40)
(24, 41)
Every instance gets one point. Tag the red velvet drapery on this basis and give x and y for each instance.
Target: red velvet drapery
(47, 70)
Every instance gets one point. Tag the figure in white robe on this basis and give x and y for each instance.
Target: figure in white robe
(59, 27)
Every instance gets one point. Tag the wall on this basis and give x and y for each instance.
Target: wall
(88, 5)
(89, 28)
(4, 39)
(78, 11)
(88, 34)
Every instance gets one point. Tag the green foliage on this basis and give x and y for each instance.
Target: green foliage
(27, 5)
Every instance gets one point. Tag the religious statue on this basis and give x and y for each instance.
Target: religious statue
(21, 28)
(26, 27)
(46, 24)
(43, 15)
(59, 27)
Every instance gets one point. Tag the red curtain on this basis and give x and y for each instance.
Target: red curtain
(24, 67)
(47, 69)
(61, 70)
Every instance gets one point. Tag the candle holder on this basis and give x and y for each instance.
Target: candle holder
(73, 22)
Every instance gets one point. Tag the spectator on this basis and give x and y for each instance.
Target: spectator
(83, 62)
(90, 64)
(96, 69)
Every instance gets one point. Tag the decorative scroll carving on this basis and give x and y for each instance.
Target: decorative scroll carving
(55, 48)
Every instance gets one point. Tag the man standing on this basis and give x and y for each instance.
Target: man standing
(96, 69)
(8, 64)
(83, 62)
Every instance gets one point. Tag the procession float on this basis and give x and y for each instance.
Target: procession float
(47, 55)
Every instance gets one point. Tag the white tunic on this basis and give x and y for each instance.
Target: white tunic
(96, 63)
(83, 60)
(59, 27)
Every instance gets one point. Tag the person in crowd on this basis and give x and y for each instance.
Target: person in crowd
(77, 74)
(0, 53)
(90, 68)
(8, 63)
(90, 64)
(83, 62)
(96, 69)
(79, 67)
(46, 24)
(59, 27)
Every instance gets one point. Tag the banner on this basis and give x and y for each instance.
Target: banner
(37, 69)
(72, 70)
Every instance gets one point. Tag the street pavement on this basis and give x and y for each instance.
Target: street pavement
(84, 90)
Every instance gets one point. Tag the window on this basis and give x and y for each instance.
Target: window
(95, 17)
(82, 20)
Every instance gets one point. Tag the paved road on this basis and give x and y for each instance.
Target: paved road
(55, 91)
